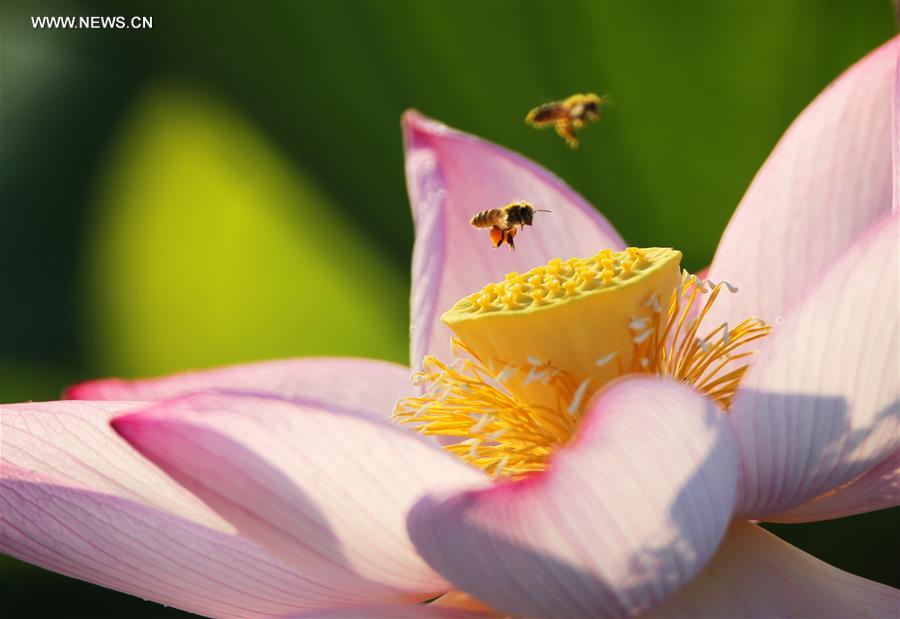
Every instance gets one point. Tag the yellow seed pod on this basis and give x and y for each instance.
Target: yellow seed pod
(572, 331)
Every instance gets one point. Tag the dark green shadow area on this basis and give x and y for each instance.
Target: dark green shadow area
(29, 591)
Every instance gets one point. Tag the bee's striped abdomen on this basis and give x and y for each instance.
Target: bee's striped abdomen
(488, 218)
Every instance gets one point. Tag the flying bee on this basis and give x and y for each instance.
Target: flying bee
(503, 221)
(567, 116)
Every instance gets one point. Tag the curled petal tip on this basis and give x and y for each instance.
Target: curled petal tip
(412, 119)
(417, 125)
(126, 425)
(100, 389)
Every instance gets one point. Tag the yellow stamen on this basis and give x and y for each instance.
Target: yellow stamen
(706, 363)
(534, 348)
(502, 435)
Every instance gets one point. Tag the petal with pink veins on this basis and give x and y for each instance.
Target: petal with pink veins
(828, 179)
(451, 176)
(624, 516)
(896, 137)
(877, 488)
(77, 499)
(326, 490)
(755, 574)
(409, 611)
(820, 405)
(361, 384)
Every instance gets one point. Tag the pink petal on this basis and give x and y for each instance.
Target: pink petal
(451, 176)
(410, 611)
(895, 115)
(877, 488)
(754, 574)
(826, 182)
(76, 499)
(819, 407)
(625, 515)
(326, 490)
(356, 383)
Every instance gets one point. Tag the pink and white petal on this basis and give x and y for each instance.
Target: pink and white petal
(409, 611)
(76, 499)
(821, 404)
(877, 488)
(828, 179)
(361, 384)
(450, 176)
(624, 516)
(755, 574)
(325, 490)
(895, 113)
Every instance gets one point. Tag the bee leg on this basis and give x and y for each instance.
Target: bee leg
(564, 130)
(510, 234)
(497, 236)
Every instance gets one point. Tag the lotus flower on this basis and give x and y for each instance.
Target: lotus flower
(599, 441)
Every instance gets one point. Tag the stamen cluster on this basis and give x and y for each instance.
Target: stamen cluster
(707, 362)
(479, 403)
(498, 433)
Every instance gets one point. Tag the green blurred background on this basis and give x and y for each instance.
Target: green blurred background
(229, 185)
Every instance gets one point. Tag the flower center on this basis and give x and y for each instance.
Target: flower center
(532, 349)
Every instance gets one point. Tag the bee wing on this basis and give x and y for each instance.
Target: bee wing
(503, 221)
(545, 114)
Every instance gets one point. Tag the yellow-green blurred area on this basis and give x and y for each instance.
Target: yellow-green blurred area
(228, 185)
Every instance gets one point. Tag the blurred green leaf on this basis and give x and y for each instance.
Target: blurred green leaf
(701, 91)
(208, 248)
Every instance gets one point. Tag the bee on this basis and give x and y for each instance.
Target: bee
(503, 221)
(567, 116)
